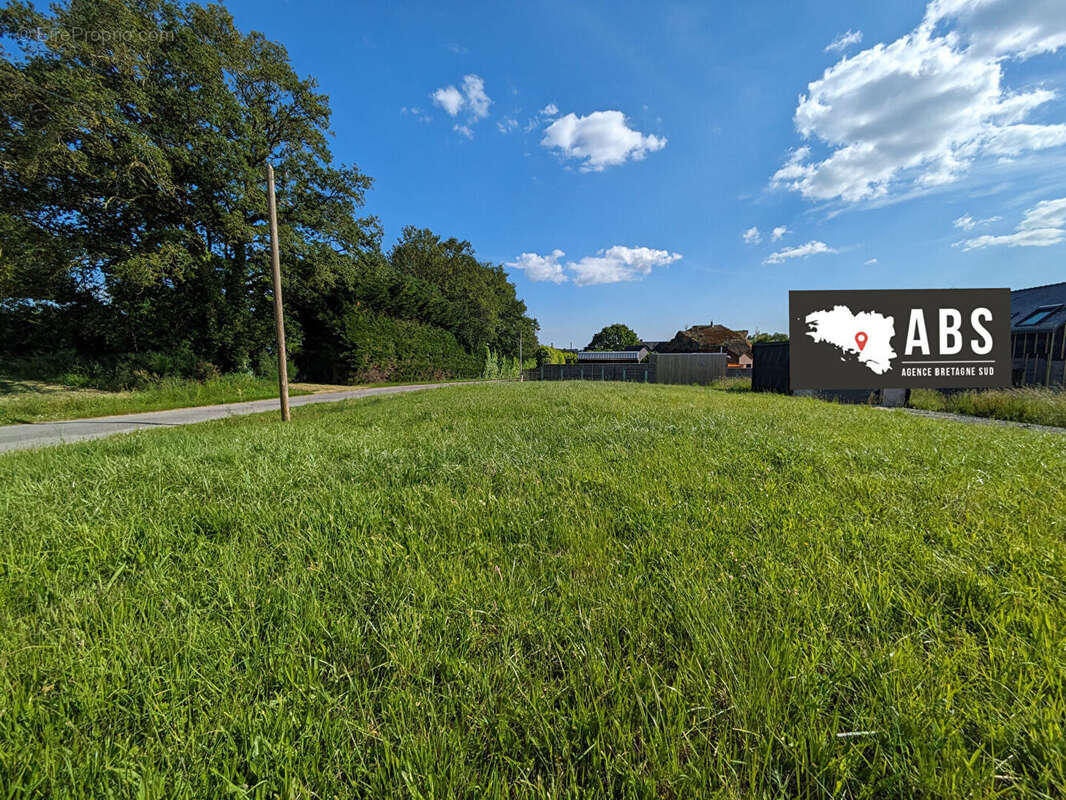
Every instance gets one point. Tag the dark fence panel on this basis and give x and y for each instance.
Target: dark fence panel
(769, 372)
(643, 373)
(1038, 370)
(1039, 357)
(690, 368)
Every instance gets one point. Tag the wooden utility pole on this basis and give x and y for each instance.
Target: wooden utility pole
(279, 314)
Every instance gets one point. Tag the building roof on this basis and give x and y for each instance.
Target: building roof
(1038, 309)
(708, 339)
(628, 354)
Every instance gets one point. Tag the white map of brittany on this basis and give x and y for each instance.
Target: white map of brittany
(846, 331)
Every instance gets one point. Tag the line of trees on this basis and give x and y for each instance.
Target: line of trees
(133, 138)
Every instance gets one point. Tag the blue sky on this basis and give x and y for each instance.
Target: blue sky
(616, 154)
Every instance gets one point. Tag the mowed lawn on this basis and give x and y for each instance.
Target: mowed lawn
(547, 589)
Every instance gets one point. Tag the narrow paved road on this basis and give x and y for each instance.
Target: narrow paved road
(1003, 423)
(19, 437)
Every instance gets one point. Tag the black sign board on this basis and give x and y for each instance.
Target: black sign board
(899, 339)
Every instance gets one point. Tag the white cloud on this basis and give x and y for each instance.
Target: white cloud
(450, 99)
(920, 111)
(601, 139)
(610, 265)
(1042, 225)
(1010, 28)
(870, 261)
(751, 236)
(548, 112)
(619, 263)
(778, 232)
(968, 223)
(843, 41)
(477, 102)
(507, 124)
(417, 113)
(802, 251)
(541, 268)
(472, 100)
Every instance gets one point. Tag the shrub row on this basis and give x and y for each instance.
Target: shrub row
(379, 348)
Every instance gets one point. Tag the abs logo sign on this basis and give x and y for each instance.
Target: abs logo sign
(935, 338)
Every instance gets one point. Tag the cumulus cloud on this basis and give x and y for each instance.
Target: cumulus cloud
(600, 140)
(812, 248)
(968, 223)
(778, 232)
(450, 99)
(920, 111)
(507, 124)
(616, 264)
(541, 268)
(1042, 225)
(1013, 28)
(751, 236)
(471, 100)
(844, 41)
(610, 265)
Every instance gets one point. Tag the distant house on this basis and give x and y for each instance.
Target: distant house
(1038, 334)
(712, 338)
(631, 355)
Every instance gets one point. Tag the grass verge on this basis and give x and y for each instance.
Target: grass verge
(23, 401)
(541, 589)
(1040, 406)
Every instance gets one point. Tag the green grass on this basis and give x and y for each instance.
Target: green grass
(732, 384)
(37, 401)
(1041, 406)
(541, 589)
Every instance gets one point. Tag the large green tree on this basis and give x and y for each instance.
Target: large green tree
(614, 337)
(484, 308)
(133, 140)
(133, 137)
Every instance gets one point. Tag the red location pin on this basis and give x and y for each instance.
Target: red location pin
(860, 340)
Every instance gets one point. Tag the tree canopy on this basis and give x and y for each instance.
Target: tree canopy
(614, 337)
(761, 337)
(133, 139)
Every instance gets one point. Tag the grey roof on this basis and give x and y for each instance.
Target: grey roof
(1024, 302)
(612, 355)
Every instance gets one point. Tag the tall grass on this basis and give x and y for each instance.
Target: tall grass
(736, 384)
(33, 401)
(1038, 405)
(566, 589)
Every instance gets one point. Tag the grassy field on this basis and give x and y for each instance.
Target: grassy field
(541, 589)
(1030, 404)
(38, 401)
